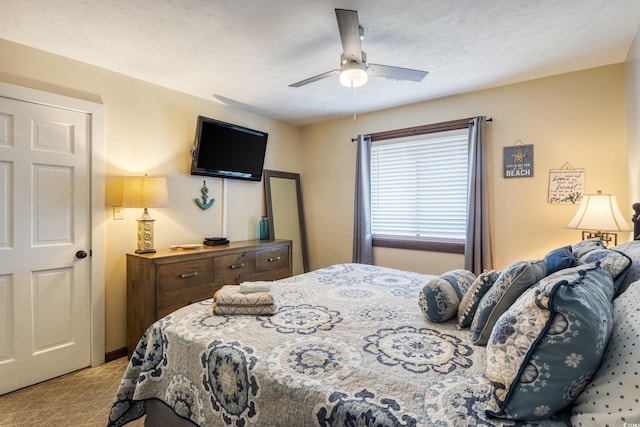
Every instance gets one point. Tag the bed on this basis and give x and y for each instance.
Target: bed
(355, 344)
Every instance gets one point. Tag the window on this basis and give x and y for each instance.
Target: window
(419, 190)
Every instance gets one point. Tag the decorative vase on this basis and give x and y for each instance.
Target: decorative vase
(264, 228)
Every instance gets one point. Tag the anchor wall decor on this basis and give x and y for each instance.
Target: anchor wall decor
(204, 204)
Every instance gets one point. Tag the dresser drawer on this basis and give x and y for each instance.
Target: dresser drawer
(181, 275)
(272, 259)
(182, 283)
(228, 269)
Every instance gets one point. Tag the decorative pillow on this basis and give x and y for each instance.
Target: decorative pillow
(632, 250)
(545, 348)
(612, 396)
(440, 297)
(583, 247)
(559, 259)
(615, 262)
(512, 282)
(469, 304)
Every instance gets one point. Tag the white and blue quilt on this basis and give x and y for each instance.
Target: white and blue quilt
(349, 345)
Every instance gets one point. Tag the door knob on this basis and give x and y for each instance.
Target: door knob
(81, 254)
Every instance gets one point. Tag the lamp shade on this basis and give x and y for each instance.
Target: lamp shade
(599, 212)
(145, 192)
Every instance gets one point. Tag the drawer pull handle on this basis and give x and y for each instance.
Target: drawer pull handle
(275, 259)
(233, 267)
(187, 275)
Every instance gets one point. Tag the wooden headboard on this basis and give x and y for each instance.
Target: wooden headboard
(636, 221)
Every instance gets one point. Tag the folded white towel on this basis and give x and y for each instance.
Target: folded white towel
(250, 287)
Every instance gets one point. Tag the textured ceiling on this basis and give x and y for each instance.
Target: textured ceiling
(247, 52)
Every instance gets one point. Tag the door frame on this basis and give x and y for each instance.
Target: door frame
(97, 214)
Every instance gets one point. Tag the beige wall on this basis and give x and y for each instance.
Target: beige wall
(632, 82)
(149, 129)
(577, 118)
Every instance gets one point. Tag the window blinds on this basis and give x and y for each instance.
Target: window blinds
(419, 187)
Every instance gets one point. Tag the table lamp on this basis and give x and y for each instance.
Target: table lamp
(599, 216)
(145, 192)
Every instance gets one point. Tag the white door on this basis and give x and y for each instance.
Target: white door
(44, 227)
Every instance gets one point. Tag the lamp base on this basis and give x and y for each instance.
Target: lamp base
(145, 234)
(145, 251)
(606, 237)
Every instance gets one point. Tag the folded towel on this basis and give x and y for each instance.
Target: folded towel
(250, 287)
(244, 309)
(231, 295)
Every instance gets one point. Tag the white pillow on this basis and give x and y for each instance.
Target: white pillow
(612, 398)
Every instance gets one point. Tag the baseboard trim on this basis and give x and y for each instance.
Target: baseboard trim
(115, 354)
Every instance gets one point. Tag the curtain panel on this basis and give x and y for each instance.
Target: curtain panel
(362, 238)
(478, 249)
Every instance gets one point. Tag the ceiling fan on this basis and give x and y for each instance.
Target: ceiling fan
(354, 68)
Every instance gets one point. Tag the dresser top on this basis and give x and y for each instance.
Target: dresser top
(231, 247)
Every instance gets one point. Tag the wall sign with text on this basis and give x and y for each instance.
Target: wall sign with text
(518, 161)
(566, 186)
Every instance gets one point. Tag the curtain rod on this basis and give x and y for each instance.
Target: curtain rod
(420, 130)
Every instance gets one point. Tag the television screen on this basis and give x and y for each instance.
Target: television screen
(226, 150)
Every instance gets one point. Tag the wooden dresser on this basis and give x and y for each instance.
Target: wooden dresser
(162, 282)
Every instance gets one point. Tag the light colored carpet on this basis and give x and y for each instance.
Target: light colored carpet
(82, 398)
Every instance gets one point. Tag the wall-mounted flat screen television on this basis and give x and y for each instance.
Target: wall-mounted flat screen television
(226, 150)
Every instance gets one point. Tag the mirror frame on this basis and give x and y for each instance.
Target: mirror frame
(268, 174)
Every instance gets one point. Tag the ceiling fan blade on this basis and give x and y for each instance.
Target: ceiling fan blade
(349, 34)
(396, 73)
(315, 78)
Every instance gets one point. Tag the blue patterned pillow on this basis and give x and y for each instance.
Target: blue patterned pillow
(632, 250)
(559, 259)
(545, 348)
(440, 297)
(512, 282)
(471, 300)
(611, 398)
(615, 262)
(584, 246)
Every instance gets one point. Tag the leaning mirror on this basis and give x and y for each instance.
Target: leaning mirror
(284, 208)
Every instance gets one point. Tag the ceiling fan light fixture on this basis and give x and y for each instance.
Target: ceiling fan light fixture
(354, 68)
(353, 74)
